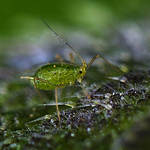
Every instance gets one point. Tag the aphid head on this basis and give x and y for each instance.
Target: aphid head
(81, 74)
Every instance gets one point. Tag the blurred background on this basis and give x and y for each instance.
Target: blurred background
(90, 16)
(97, 26)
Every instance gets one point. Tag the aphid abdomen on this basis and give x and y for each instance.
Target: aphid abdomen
(57, 75)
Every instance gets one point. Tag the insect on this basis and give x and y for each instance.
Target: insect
(59, 75)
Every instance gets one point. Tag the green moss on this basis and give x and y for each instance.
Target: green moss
(114, 108)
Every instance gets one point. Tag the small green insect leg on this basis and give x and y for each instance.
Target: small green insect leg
(85, 92)
(58, 57)
(56, 99)
(35, 78)
(71, 57)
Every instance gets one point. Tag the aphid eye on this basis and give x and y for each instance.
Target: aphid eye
(80, 72)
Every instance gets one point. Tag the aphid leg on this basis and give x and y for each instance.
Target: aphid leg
(56, 99)
(32, 69)
(35, 78)
(99, 56)
(85, 92)
(71, 57)
(58, 57)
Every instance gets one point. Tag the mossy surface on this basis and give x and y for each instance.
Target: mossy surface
(115, 117)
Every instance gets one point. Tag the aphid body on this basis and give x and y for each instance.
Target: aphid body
(60, 75)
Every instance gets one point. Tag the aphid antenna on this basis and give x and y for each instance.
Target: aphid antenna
(83, 61)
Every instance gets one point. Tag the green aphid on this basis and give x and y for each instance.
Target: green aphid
(59, 75)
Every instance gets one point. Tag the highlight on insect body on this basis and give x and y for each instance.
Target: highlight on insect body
(59, 75)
